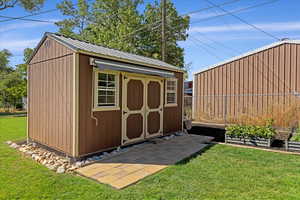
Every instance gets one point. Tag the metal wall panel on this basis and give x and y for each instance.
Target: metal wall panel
(250, 84)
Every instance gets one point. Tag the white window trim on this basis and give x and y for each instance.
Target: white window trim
(176, 91)
(95, 91)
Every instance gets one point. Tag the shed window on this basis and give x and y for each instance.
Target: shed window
(106, 90)
(171, 92)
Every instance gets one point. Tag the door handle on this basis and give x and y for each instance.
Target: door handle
(124, 112)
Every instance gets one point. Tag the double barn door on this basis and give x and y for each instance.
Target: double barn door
(142, 109)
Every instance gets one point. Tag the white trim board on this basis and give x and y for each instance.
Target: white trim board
(248, 54)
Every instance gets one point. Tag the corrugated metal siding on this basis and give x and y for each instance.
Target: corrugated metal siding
(270, 72)
(50, 97)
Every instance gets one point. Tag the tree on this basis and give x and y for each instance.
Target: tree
(120, 25)
(79, 18)
(113, 21)
(4, 61)
(13, 81)
(176, 30)
(22, 68)
(29, 5)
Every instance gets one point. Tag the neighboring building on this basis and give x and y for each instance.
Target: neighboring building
(188, 88)
(249, 83)
(24, 103)
(85, 98)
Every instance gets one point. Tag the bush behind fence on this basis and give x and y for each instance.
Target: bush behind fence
(246, 109)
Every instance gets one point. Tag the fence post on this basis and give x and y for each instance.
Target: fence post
(225, 111)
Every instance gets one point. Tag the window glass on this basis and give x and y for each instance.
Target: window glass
(171, 90)
(106, 90)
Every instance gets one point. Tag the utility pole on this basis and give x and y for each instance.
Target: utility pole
(163, 30)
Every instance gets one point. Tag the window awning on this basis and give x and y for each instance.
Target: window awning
(118, 66)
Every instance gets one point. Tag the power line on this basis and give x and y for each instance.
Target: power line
(204, 46)
(210, 7)
(233, 50)
(235, 11)
(260, 60)
(23, 19)
(242, 20)
(185, 14)
(25, 16)
(8, 18)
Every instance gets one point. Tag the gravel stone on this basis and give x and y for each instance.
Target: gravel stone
(60, 170)
(14, 145)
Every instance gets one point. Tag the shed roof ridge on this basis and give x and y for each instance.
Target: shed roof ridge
(88, 42)
(251, 52)
(132, 54)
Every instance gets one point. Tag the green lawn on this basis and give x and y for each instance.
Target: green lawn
(222, 172)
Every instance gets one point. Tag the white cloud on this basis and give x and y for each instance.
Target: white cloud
(272, 26)
(17, 46)
(22, 26)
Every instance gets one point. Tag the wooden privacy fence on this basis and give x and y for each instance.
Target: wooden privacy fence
(248, 109)
(188, 103)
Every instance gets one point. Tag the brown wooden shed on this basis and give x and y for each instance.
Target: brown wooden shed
(85, 98)
(248, 84)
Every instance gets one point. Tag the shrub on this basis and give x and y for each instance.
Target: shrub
(252, 131)
(296, 136)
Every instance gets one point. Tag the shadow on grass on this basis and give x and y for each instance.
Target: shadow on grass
(203, 150)
(13, 114)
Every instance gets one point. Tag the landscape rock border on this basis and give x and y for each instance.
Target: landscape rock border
(62, 164)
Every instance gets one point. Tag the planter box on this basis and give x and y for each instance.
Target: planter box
(259, 142)
(292, 146)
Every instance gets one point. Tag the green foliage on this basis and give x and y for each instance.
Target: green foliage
(296, 137)
(78, 21)
(176, 30)
(28, 5)
(4, 61)
(13, 81)
(120, 25)
(252, 131)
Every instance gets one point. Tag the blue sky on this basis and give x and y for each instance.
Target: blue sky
(212, 39)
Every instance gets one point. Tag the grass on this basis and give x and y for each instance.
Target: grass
(222, 172)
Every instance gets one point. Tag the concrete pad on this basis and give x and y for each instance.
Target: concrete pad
(138, 162)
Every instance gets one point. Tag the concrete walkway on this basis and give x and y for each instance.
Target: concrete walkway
(143, 160)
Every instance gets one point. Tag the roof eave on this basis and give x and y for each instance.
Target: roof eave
(247, 54)
(129, 61)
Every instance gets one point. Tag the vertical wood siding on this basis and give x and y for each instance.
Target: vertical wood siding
(50, 97)
(273, 72)
(107, 134)
(173, 115)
